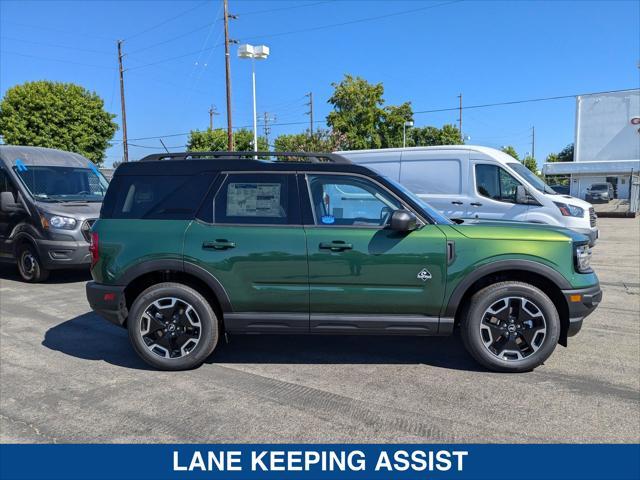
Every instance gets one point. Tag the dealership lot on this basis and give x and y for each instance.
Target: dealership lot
(66, 375)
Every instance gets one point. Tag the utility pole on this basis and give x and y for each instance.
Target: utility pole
(310, 112)
(533, 142)
(124, 110)
(266, 127)
(212, 111)
(460, 119)
(228, 72)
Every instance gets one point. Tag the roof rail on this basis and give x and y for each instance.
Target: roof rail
(304, 157)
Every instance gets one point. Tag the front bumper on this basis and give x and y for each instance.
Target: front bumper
(107, 301)
(56, 254)
(592, 233)
(582, 302)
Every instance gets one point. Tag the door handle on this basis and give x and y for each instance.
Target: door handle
(335, 246)
(475, 204)
(456, 202)
(218, 245)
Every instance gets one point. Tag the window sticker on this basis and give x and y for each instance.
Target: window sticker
(254, 200)
(328, 219)
(20, 165)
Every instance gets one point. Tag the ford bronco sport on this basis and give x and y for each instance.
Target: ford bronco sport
(195, 245)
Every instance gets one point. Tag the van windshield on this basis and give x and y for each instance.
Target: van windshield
(63, 184)
(532, 178)
(599, 186)
(429, 210)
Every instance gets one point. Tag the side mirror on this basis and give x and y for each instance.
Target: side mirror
(403, 221)
(8, 203)
(521, 195)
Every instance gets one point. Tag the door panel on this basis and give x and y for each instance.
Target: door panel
(264, 271)
(252, 240)
(495, 194)
(358, 266)
(379, 273)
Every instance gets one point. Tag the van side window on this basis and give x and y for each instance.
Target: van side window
(496, 183)
(257, 199)
(352, 201)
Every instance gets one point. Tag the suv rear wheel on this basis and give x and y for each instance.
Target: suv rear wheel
(29, 264)
(511, 327)
(172, 327)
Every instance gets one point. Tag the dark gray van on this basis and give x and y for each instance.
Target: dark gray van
(49, 200)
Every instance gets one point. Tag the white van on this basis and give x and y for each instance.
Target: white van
(466, 181)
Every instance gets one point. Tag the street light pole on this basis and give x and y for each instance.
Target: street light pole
(259, 52)
(255, 113)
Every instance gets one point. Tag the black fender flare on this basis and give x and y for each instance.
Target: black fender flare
(501, 266)
(180, 266)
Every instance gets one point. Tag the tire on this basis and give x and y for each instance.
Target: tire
(510, 327)
(187, 343)
(30, 265)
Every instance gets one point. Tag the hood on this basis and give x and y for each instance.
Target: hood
(77, 210)
(510, 230)
(570, 200)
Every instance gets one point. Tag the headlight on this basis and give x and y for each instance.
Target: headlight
(570, 210)
(583, 258)
(58, 221)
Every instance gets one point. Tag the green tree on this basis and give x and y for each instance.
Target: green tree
(509, 150)
(216, 140)
(57, 115)
(321, 141)
(392, 122)
(566, 155)
(552, 157)
(429, 136)
(531, 164)
(357, 112)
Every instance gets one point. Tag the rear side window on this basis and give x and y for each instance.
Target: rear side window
(156, 197)
(436, 177)
(257, 199)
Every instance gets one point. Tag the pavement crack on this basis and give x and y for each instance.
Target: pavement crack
(30, 426)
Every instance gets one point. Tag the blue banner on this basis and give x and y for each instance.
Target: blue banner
(329, 461)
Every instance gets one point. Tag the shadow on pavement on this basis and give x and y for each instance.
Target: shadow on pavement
(90, 337)
(10, 272)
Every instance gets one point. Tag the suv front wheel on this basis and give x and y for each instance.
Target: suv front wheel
(511, 327)
(172, 327)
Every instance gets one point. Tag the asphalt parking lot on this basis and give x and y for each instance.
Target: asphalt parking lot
(66, 375)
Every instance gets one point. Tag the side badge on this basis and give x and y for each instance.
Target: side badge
(424, 275)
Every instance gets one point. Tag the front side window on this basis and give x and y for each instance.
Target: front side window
(63, 184)
(496, 183)
(350, 201)
(256, 199)
(6, 185)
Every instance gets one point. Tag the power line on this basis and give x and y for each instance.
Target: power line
(190, 32)
(57, 60)
(168, 20)
(256, 12)
(351, 22)
(59, 30)
(150, 64)
(486, 105)
(66, 47)
(515, 102)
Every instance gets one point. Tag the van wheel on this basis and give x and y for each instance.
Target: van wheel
(172, 327)
(510, 327)
(30, 266)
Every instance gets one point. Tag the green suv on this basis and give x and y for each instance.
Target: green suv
(193, 246)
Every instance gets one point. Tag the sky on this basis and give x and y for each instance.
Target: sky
(425, 52)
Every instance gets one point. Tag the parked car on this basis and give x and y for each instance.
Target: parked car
(466, 181)
(599, 193)
(192, 246)
(48, 201)
(560, 189)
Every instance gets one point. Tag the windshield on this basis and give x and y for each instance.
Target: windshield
(429, 210)
(63, 184)
(599, 186)
(532, 178)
